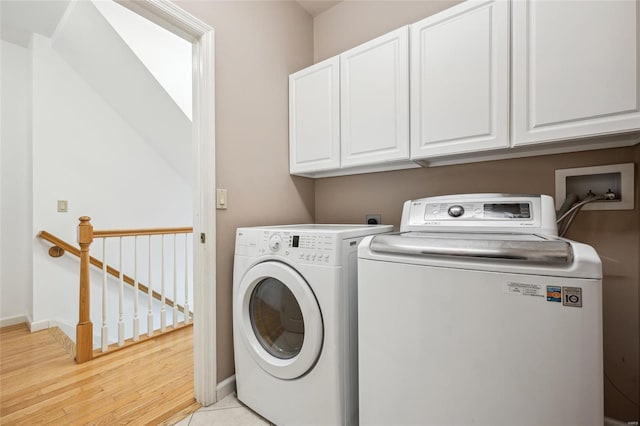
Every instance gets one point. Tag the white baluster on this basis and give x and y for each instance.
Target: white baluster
(136, 319)
(121, 301)
(105, 328)
(175, 282)
(186, 280)
(150, 314)
(163, 310)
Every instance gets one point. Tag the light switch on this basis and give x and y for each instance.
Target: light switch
(63, 206)
(221, 199)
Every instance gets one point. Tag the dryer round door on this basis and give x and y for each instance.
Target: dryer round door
(279, 319)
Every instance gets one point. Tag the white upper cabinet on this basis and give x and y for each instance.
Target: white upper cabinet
(314, 118)
(374, 81)
(460, 80)
(489, 79)
(575, 69)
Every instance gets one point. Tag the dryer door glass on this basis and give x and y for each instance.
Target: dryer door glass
(276, 318)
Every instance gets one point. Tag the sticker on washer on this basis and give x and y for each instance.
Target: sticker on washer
(554, 294)
(572, 296)
(524, 289)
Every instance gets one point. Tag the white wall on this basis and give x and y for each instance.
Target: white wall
(167, 56)
(15, 223)
(90, 45)
(84, 152)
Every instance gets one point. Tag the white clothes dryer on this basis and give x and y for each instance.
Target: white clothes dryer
(295, 321)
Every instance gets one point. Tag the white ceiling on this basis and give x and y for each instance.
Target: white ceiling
(316, 7)
(22, 18)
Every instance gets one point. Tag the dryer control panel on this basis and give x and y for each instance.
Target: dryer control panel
(310, 247)
(300, 247)
(314, 244)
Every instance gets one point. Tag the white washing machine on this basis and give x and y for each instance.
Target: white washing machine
(477, 313)
(294, 322)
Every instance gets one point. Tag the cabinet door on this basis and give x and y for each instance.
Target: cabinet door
(374, 84)
(314, 114)
(460, 80)
(575, 69)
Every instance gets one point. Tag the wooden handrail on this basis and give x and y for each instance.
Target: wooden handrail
(86, 235)
(110, 270)
(138, 232)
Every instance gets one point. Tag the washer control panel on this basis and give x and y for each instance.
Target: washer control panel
(477, 211)
(480, 213)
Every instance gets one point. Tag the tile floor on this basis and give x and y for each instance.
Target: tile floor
(226, 412)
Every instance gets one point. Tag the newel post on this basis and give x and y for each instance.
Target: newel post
(84, 329)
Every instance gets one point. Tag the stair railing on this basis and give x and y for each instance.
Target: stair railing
(84, 329)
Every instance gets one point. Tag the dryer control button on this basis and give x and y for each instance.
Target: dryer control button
(275, 242)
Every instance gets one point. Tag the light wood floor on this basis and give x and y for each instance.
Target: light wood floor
(150, 383)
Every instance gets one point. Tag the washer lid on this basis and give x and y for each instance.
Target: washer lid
(528, 248)
(494, 252)
(279, 319)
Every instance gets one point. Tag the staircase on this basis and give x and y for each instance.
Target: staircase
(110, 139)
(125, 313)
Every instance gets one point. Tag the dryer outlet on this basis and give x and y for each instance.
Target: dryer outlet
(373, 219)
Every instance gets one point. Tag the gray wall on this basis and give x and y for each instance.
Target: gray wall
(258, 44)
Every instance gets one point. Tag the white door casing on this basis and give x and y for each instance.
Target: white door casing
(173, 18)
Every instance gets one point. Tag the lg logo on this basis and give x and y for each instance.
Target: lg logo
(572, 296)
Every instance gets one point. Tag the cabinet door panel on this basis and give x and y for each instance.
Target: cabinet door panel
(314, 129)
(460, 80)
(374, 80)
(575, 69)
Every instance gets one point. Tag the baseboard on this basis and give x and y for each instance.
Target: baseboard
(226, 387)
(68, 329)
(17, 319)
(608, 421)
(37, 325)
(61, 337)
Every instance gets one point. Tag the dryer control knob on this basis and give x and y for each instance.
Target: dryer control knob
(456, 211)
(275, 242)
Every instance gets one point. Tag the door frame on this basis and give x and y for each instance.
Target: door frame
(171, 17)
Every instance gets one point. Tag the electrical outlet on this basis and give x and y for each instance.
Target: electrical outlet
(373, 219)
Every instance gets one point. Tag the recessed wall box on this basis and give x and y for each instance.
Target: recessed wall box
(616, 178)
(373, 219)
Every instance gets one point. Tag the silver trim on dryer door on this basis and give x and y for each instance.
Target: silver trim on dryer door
(549, 252)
